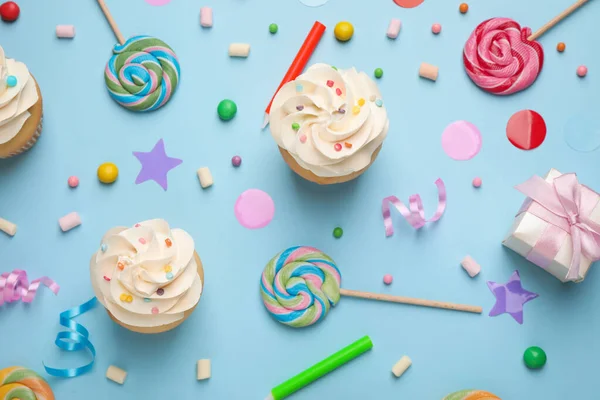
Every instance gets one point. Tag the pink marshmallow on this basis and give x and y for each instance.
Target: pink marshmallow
(65, 31)
(471, 266)
(394, 28)
(69, 221)
(206, 17)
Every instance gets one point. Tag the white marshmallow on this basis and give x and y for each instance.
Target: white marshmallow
(401, 366)
(206, 179)
(116, 374)
(8, 227)
(239, 50)
(203, 369)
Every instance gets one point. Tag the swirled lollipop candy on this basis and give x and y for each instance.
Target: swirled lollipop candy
(143, 72)
(503, 58)
(300, 285)
(23, 383)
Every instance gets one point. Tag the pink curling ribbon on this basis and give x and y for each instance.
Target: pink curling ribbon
(14, 286)
(416, 215)
(566, 205)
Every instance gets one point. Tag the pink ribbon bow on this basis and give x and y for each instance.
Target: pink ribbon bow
(564, 204)
(15, 286)
(416, 215)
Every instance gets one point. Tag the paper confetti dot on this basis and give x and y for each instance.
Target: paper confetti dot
(408, 3)
(254, 209)
(157, 2)
(526, 130)
(461, 140)
(582, 133)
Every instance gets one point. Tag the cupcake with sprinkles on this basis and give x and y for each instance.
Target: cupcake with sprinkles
(148, 277)
(329, 124)
(20, 108)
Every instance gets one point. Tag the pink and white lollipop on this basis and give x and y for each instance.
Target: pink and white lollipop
(502, 58)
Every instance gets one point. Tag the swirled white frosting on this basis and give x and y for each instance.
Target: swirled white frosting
(318, 118)
(16, 100)
(146, 276)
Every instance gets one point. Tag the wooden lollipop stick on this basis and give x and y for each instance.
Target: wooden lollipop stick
(410, 300)
(111, 22)
(556, 20)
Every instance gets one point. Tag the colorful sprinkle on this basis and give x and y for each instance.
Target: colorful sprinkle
(378, 73)
(355, 110)
(299, 88)
(273, 28)
(463, 8)
(582, 71)
(337, 147)
(106, 278)
(379, 102)
(342, 111)
(126, 298)
(120, 265)
(338, 232)
(154, 310)
(103, 247)
(169, 276)
(147, 300)
(300, 107)
(236, 161)
(160, 291)
(372, 98)
(338, 91)
(303, 139)
(142, 240)
(168, 268)
(295, 126)
(168, 242)
(348, 145)
(361, 102)
(136, 225)
(334, 68)
(11, 81)
(436, 28)
(561, 47)
(477, 182)
(330, 83)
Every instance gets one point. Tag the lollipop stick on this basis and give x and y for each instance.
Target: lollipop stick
(410, 300)
(111, 22)
(556, 20)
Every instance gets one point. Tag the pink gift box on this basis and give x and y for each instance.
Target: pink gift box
(558, 226)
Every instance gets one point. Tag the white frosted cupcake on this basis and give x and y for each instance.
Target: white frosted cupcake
(149, 277)
(329, 124)
(20, 108)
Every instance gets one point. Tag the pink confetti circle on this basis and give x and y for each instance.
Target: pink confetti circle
(157, 2)
(461, 140)
(254, 209)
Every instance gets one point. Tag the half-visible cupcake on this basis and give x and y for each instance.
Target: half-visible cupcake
(20, 108)
(329, 124)
(149, 277)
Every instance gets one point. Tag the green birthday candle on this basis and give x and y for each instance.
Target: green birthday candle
(320, 369)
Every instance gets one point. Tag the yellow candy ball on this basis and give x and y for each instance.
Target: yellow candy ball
(343, 31)
(108, 172)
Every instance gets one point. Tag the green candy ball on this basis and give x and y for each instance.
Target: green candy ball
(338, 232)
(227, 109)
(535, 357)
(273, 28)
(378, 73)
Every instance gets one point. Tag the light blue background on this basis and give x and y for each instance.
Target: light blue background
(250, 352)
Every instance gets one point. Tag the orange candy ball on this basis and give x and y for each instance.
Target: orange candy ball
(561, 47)
(464, 7)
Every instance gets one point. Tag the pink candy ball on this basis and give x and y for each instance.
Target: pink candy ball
(477, 182)
(436, 28)
(582, 71)
(387, 279)
(73, 181)
(236, 161)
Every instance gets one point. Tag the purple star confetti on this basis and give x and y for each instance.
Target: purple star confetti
(510, 297)
(155, 165)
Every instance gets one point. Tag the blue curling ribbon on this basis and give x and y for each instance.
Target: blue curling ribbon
(74, 340)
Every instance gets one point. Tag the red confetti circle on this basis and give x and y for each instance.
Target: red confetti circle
(526, 130)
(408, 3)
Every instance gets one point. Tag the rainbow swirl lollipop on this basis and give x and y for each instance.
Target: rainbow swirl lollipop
(471, 394)
(301, 284)
(22, 383)
(143, 73)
